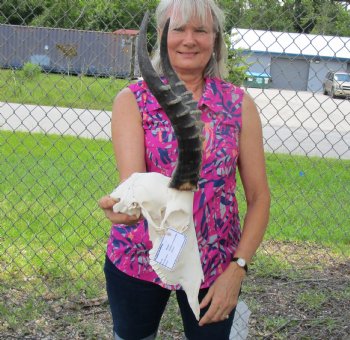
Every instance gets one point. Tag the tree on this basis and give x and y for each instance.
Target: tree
(100, 15)
(334, 19)
(236, 64)
(304, 16)
(234, 11)
(62, 14)
(327, 17)
(19, 12)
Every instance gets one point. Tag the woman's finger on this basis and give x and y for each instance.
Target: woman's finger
(210, 315)
(118, 218)
(107, 202)
(207, 298)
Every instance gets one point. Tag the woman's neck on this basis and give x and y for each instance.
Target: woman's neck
(193, 83)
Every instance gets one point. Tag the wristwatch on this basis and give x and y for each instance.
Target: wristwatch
(241, 263)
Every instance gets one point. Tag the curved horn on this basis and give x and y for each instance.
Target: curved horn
(162, 92)
(178, 105)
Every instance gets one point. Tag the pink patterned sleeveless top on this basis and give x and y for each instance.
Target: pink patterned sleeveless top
(215, 206)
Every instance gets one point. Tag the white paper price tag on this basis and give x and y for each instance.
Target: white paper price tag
(170, 248)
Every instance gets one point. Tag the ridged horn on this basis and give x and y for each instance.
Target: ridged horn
(179, 106)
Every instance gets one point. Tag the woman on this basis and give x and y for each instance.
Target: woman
(144, 141)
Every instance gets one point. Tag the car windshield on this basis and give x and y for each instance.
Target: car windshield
(342, 77)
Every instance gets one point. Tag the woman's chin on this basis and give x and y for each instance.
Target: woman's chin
(188, 68)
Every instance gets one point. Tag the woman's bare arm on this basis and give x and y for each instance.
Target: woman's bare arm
(223, 294)
(127, 135)
(128, 145)
(253, 175)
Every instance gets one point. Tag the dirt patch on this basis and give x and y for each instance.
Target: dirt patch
(301, 309)
(310, 301)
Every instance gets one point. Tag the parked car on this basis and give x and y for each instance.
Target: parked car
(337, 84)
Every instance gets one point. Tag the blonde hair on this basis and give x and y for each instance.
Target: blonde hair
(182, 12)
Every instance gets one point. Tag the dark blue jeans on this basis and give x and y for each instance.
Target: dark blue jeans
(137, 307)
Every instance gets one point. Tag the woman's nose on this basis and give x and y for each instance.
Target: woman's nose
(189, 38)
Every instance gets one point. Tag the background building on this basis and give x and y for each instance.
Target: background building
(294, 61)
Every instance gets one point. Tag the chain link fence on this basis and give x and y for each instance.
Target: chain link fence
(62, 63)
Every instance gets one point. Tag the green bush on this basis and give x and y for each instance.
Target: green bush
(31, 71)
(237, 64)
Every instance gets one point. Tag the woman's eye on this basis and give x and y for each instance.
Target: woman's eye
(178, 29)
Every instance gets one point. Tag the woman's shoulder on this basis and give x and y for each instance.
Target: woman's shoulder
(143, 95)
(140, 89)
(138, 86)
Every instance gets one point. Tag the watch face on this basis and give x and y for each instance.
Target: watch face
(241, 262)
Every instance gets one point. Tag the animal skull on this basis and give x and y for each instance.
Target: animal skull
(169, 213)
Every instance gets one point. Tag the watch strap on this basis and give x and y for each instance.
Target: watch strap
(236, 259)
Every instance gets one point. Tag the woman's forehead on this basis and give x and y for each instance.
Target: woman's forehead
(202, 18)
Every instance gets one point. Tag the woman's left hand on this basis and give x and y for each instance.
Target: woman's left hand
(222, 295)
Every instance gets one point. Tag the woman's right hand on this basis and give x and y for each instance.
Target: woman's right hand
(106, 203)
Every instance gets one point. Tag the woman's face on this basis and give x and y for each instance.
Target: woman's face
(191, 45)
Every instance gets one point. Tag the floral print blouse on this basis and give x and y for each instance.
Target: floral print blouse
(215, 210)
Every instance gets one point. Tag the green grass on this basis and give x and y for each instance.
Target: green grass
(273, 322)
(310, 200)
(53, 235)
(51, 224)
(274, 266)
(312, 299)
(59, 90)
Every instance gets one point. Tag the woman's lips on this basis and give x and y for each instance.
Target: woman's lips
(188, 54)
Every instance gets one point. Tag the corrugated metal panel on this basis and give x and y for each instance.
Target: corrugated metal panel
(64, 50)
(9, 55)
(289, 74)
